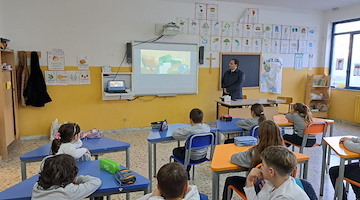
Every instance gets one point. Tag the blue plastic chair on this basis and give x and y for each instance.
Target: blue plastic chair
(203, 196)
(254, 131)
(196, 141)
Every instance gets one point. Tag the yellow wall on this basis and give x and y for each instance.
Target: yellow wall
(342, 104)
(83, 103)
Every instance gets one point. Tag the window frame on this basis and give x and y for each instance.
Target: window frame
(348, 67)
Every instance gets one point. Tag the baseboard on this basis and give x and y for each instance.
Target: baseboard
(347, 122)
(35, 137)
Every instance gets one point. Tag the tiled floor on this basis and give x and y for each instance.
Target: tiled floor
(10, 169)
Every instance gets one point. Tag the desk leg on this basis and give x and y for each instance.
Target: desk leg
(127, 196)
(23, 170)
(218, 137)
(96, 157)
(339, 182)
(215, 186)
(154, 159)
(306, 166)
(329, 153)
(178, 143)
(150, 165)
(324, 146)
(128, 158)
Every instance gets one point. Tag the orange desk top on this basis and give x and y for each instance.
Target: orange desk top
(281, 120)
(340, 150)
(222, 156)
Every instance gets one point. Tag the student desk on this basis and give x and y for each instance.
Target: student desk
(109, 185)
(344, 154)
(241, 107)
(227, 127)
(221, 163)
(96, 146)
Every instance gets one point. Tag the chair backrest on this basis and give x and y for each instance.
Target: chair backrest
(254, 131)
(203, 196)
(199, 141)
(315, 128)
(288, 100)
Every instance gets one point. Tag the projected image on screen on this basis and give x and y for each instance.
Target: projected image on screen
(165, 62)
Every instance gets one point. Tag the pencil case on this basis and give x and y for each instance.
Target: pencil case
(245, 141)
(109, 165)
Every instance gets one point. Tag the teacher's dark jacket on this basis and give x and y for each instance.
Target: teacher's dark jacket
(233, 82)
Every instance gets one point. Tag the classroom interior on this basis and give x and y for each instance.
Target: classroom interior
(100, 30)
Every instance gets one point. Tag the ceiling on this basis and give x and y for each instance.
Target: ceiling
(321, 5)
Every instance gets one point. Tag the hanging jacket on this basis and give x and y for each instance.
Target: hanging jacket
(22, 76)
(35, 92)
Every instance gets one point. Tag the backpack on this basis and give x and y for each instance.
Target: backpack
(93, 133)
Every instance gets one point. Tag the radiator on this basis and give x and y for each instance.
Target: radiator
(357, 109)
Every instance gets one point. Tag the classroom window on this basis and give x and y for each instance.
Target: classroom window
(345, 54)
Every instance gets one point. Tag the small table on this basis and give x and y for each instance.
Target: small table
(344, 154)
(96, 146)
(227, 127)
(109, 185)
(221, 163)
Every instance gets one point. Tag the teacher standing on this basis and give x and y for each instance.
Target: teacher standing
(233, 80)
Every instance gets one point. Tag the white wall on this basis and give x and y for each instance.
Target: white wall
(100, 29)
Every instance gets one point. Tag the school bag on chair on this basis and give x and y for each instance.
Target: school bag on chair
(93, 133)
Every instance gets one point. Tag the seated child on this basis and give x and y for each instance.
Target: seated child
(258, 115)
(300, 115)
(351, 170)
(173, 184)
(269, 135)
(278, 164)
(67, 141)
(58, 180)
(197, 126)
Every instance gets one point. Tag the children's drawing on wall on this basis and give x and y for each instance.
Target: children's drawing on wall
(212, 12)
(216, 28)
(205, 41)
(56, 59)
(183, 24)
(357, 69)
(303, 33)
(302, 46)
(227, 29)
(276, 33)
(50, 78)
(284, 46)
(73, 77)
(310, 46)
(310, 61)
(246, 45)
(200, 10)
(266, 45)
(248, 30)
(275, 46)
(194, 27)
(244, 17)
(84, 77)
(61, 77)
(226, 44)
(294, 33)
(238, 30)
(293, 46)
(339, 64)
(311, 31)
(256, 46)
(271, 75)
(253, 14)
(205, 27)
(215, 44)
(83, 63)
(267, 28)
(298, 61)
(285, 32)
(236, 45)
(258, 30)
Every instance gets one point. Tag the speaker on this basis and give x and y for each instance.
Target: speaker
(128, 53)
(201, 55)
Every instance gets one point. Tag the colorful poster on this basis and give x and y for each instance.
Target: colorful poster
(61, 77)
(310, 46)
(294, 33)
(275, 46)
(285, 32)
(226, 44)
(253, 14)
(248, 30)
(298, 65)
(83, 63)
(302, 48)
(200, 10)
(238, 30)
(56, 59)
(266, 45)
(236, 45)
(258, 32)
(212, 12)
(84, 77)
(339, 64)
(303, 33)
(215, 44)
(183, 24)
(311, 33)
(271, 75)
(194, 27)
(284, 46)
(293, 47)
(227, 29)
(205, 41)
(267, 29)
(276, 33)
(50, 78)
(256, 46)
(246, 45)
(73, 77)
(205, 27)
(216, 28)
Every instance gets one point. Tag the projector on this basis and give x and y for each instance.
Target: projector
(169, 29)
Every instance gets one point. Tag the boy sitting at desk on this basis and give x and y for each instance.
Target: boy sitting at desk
(278, 164)
(197, 126)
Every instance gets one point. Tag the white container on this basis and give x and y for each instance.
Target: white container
(227, 98)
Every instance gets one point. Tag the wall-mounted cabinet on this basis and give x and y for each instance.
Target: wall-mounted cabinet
(318, 94)
(113, 76)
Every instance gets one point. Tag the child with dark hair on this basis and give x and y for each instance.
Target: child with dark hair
(67, 141)
(173, 184)
(58, 180)
(197, 126)
(300, 115)
(278, 164)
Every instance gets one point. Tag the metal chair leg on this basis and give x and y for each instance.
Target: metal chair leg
(193, 175)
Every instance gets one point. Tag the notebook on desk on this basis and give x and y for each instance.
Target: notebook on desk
(116, 86)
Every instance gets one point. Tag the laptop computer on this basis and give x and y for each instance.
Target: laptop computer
(116, 86)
